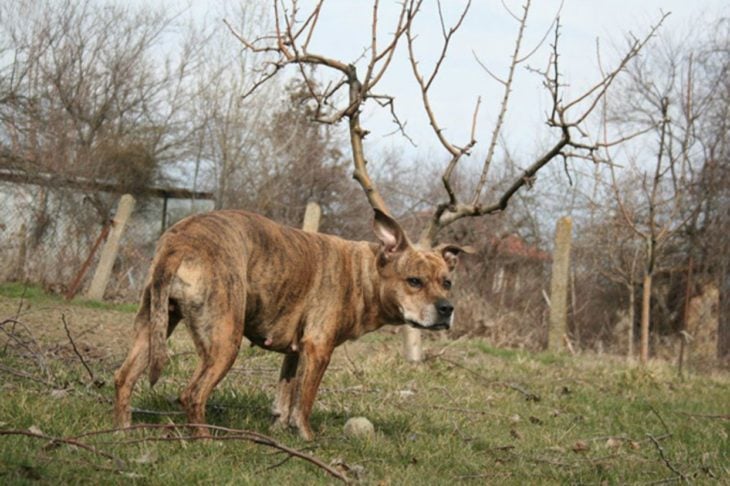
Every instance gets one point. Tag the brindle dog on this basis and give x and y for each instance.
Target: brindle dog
(230, 274)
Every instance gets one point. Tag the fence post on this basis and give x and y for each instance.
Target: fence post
(559, 284)
(312, 215)
(17, 274)
(412, 346)
(111, 248)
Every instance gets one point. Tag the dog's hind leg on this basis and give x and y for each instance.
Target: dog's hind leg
(217, 349)
(287, 382)
(136, 361)
(128, 374)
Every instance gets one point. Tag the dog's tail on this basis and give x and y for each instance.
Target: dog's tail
(158, 296)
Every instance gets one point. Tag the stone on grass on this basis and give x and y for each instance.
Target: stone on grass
(359, 427)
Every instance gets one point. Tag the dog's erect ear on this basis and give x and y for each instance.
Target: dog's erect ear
(389, 233)
(450, 253)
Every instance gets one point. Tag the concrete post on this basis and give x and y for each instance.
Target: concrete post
(111, 248)
(559, 284)
(412, 346)
(312, 215)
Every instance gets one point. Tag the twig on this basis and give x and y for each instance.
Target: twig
(529, 396)
(355, 368)
(22, 374)
(448, 345)
(664, 424)
(97, 382)
(62, 440)
(664, 458)
(706, 415)
(464, 410)
(145, 411)
(37, 354)
(17, 316)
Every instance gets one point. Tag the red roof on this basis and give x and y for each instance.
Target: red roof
(514, 245)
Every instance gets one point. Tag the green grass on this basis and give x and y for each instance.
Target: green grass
(463, 417)
(36, 295)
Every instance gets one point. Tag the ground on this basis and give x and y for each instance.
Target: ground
(469, 413)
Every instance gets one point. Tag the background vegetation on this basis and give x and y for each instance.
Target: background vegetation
(471, 413)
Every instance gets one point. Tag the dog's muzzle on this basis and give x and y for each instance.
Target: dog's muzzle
(443, 317)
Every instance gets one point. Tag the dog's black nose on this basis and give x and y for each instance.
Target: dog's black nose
(444, 308)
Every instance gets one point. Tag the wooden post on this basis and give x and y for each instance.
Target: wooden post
(723, 318)
(111, 248)
(559, 284)
(312, 215)
(412, 347)
(163, 225)
(645, 318)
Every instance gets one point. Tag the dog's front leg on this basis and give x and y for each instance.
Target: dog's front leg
(281, 408)
(313, 360)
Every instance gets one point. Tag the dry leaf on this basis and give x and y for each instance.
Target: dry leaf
(581, 446)
(613, 443)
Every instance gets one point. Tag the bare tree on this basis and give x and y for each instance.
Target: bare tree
(290, 43)
(229, 144)
(707, 231)
(87, 94)
(661, 102)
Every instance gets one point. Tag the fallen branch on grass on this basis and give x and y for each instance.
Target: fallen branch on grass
(663, 456)
(36, 353)
(707, 415)
(62, 440)
(96, 381)
(22, 374)
(529, 396)
(231, 434)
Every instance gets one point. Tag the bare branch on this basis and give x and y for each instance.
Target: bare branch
(555, 21)
(230, 434)
(486, 69)
(600, 88)
(503, 107)
(97, 382)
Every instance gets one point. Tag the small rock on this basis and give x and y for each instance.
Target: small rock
(359, 427)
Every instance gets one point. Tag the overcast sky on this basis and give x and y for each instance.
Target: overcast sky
(489, 32)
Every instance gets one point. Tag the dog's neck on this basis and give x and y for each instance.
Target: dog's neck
(367, 283)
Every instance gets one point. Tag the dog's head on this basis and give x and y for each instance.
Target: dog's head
(415, 283)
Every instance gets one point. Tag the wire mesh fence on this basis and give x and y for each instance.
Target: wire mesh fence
(53, 237)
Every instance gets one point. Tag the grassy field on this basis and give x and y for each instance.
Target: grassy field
(470, 414)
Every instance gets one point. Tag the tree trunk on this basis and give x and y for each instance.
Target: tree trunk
(645, 317)
(723, 324)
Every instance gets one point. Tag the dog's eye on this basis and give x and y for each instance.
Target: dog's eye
(415, 282)
(447, 284)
